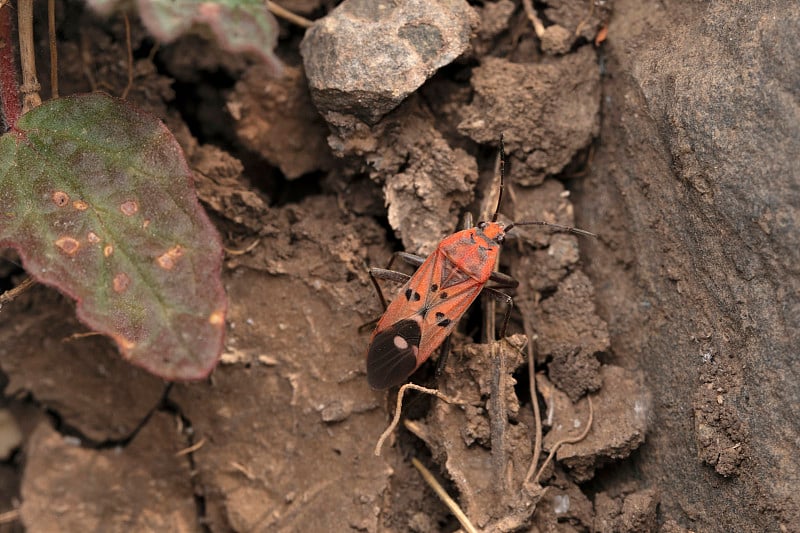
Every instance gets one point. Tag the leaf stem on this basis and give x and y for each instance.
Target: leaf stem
(30, 82)
(9, 87)
(51, 30)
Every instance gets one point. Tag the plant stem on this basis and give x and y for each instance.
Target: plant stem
(51, 30)
(9, 88)
(30, 82)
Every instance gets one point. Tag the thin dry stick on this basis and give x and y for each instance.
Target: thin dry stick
(153, 51)
(30, 83)
(10, 294)
(51, 30)
(285, 14)
(78, 336)
(566, 440)
(9, 516)
(398, 408)
(249, 248)
(496, 405)
(584, 22)
(130, 57)
(193, 448)
(448, 501)
(86, 61)
(538, 27)
(537, 415)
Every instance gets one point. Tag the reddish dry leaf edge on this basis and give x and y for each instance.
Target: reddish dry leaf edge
(244, 26)
(98, 199)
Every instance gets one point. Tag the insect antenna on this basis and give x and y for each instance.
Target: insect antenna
(502, 178)
(558, 227)
(568, 229)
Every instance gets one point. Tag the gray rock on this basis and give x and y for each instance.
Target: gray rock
(366, 56)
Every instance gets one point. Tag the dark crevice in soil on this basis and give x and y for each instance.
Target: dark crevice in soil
(11, 275)
(70, 431)
(171, 407)
(293, 191)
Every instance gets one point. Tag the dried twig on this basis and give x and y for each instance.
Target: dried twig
(448, 501)
(537, 415)
(247, 249)
(398, 409)
(51, 30)
(193, 448)
(30, 83)
(10, 294)
(538, 27)
(285, 14)
(129, 48)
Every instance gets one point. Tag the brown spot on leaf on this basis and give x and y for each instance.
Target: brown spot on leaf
(168, 259)
(108, 250)
(129, 208)
(60, 198)
(125, 344)
(92, 237)
(68, 245)
(80, 205)
(121, 282)
(216, 318)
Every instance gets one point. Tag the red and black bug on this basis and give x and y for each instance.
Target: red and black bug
(432, 301)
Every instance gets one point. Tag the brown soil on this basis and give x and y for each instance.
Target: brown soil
(677, 328)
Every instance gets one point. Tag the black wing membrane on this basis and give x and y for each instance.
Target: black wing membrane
(389, 363)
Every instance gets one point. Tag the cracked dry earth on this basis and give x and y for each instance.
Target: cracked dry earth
(672, 140)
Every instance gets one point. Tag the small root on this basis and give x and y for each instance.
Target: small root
(566, 440)
(399, 407)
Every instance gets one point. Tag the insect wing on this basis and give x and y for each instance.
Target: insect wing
(395, 340)
(417, 321)
(393, 353)
(443, 310)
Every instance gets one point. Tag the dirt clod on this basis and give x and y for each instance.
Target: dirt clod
(275, 119)
(621, 409)
(544, 122)
(71, 488)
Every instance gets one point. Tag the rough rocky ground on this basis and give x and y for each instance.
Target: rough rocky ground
(674, 139)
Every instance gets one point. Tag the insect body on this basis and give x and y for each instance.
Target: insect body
(432, 300)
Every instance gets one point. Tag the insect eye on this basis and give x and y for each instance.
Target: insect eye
(500, 238)
(482, 225)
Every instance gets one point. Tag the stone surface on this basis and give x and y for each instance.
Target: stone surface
(367, 56)
(696, 185)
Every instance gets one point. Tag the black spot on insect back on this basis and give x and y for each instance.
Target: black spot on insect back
(412, 295)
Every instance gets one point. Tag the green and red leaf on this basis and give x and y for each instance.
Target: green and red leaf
(238, 25)
(100, 203)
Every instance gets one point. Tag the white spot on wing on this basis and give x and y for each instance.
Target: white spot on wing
(400, 342)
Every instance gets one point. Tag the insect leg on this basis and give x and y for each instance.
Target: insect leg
(467, 222)
(503, 281)
(391, 275)
(503, 298)
(411, 259)
(443, 353)
(381, 273)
